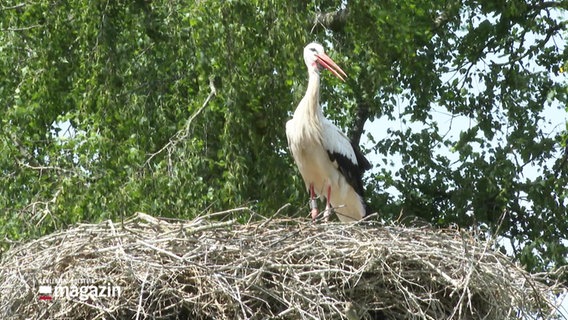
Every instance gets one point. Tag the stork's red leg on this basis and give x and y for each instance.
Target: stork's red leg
(327, 211)
(313, 203)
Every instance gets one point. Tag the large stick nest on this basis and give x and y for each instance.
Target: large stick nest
(284, 269)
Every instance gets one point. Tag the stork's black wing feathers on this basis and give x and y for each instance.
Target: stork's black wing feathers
(353, 172)
(347, 156)
(364, 164)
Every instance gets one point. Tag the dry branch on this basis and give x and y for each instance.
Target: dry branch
(182, 135)
(275, 268)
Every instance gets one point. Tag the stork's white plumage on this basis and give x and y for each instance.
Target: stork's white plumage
(328, 162)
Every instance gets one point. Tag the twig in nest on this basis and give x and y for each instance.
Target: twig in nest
(273, 268)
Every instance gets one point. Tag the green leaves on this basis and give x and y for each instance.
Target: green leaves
(97, 99)
(504, 91)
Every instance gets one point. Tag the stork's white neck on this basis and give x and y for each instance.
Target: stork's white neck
(309, 107)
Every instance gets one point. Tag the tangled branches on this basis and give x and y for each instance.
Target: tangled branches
(283, 269)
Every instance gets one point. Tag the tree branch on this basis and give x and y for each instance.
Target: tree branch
(451, 11)
(361, 117)
(334, 20)
(184, 133)
(10, 29)
(550, 4)
(45, 168)
(561, 163)
(21, 5)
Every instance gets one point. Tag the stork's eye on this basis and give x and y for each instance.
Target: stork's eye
(314, 50)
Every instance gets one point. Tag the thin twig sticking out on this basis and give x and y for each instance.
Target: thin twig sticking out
(183, 134)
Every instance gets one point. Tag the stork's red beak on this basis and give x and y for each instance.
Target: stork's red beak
(327, 63)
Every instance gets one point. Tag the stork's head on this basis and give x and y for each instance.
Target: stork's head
(315, 59)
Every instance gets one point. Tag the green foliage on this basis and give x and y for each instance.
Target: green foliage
(107, 109)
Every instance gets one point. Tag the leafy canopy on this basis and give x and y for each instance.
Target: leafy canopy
(178, 107)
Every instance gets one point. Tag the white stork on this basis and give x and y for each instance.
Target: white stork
(328, 162)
